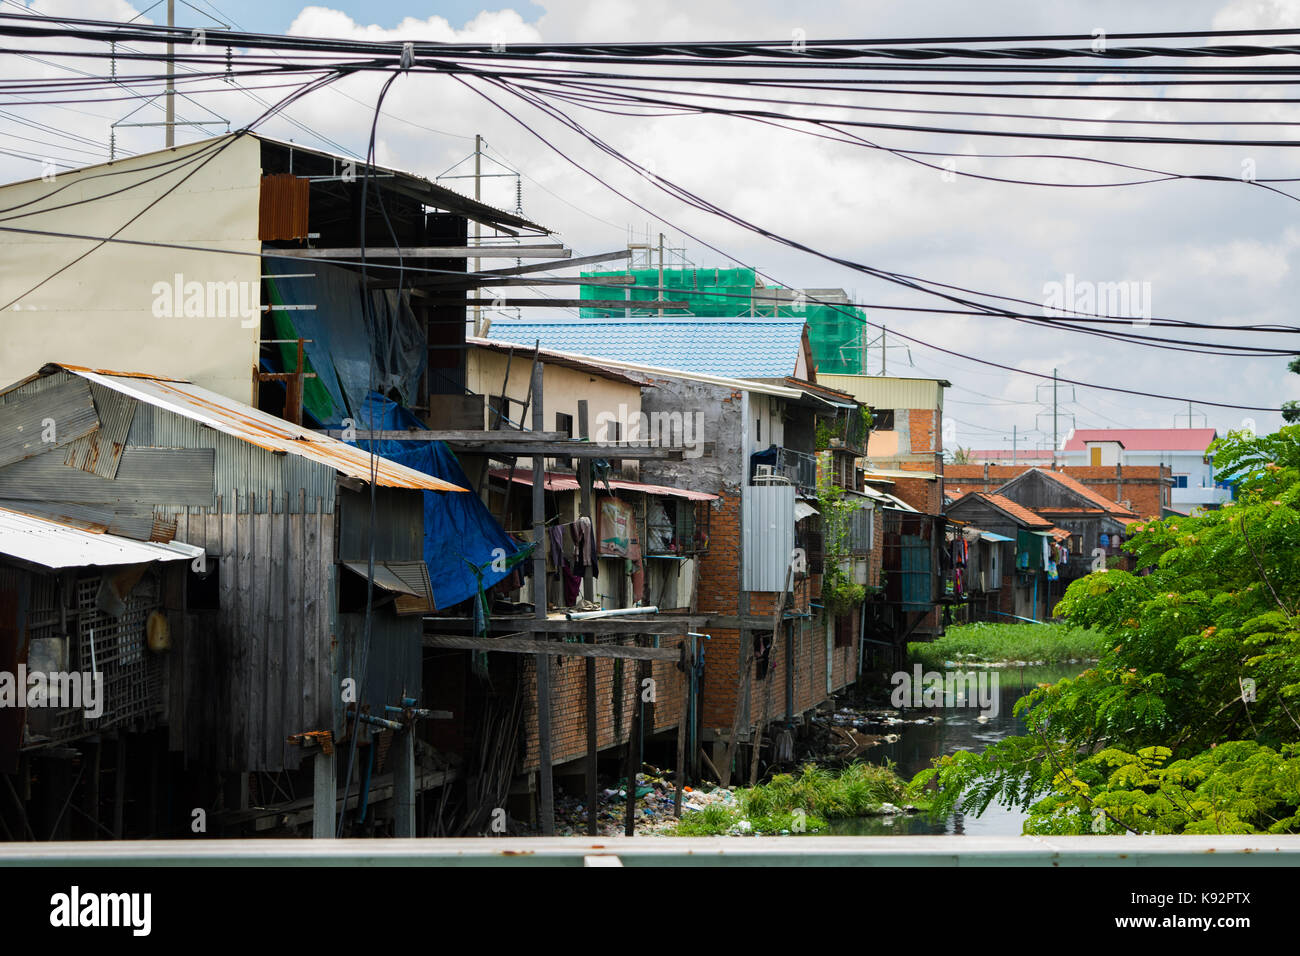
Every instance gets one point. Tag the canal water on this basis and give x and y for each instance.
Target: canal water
(959, 729)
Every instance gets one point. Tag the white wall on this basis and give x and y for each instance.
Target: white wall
(99, 311)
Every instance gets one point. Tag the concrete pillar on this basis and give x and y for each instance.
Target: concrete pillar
(324, 797)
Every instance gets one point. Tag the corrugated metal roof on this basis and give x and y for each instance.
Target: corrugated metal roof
(100, 452)
(258, 428)
(755, 385)
(882, 392)
(1145, 439)
(899, 473)
(740, 347)
(560, 482)
(53, 545)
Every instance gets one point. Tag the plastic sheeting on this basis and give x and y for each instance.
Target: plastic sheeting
(345, 340)
(461, 537)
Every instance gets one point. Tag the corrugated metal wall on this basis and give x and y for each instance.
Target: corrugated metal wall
(767, 531)
(393, 667)
(887, 392)
(238, 464)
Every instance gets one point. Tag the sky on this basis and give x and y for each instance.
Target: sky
(1210, 252)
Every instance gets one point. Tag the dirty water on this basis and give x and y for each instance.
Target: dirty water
(959, 729)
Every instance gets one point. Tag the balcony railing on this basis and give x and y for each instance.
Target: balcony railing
(799, 467)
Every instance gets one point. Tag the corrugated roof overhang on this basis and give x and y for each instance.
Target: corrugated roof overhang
(255, 427)
(54, 545)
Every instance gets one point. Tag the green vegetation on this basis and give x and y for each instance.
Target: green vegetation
(840, 593)
(1189, 722)
(1049, 643)
(803, 802)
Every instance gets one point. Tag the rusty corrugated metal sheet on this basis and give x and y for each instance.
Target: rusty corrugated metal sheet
(142, 524)
(283, 207)
(150, 476)
(100, 452)
(65, 412)
(258, 428)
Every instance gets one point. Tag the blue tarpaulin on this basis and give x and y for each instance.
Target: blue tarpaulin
(353, 350)
(461, 538)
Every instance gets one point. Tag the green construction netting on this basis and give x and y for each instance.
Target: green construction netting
(837, 340)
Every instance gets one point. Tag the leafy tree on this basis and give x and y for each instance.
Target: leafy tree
(1291, 410)
(1196, 696)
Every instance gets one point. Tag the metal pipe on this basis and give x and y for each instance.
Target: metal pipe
(381, 722)
(365, 786)
(614, 612)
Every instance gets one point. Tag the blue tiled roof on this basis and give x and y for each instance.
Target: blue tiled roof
(733, 348)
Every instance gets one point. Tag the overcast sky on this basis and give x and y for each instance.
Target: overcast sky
(1211, 252)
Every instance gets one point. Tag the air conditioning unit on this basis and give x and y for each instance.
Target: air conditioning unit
(769, 475)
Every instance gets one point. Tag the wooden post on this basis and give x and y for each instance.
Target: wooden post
(324, 796)
(404, 783)
(588, 592)
(91, 805)
(634, 752)
(119, 784)
(688, 659)
(547, 808)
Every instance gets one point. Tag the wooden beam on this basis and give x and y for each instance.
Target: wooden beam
(662, 624)
(476, 281)
(523, 645)
(612, 304)
(486, 274)
(504, 436)
(561, 449)
(426, 252)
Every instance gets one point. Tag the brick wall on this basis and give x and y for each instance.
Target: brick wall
(569, 703)
(924, 428)
(1141, 485)
(921, 493)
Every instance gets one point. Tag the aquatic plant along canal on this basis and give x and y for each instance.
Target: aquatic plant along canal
(958, 728)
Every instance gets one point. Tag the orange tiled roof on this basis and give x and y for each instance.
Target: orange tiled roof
(1111, 507)
(1020, 512)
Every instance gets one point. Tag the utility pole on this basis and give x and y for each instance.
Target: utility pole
(171, 76)
(1054, 435)
(1013, 446)
(1189, 414)
(883, 332)
(478, 233)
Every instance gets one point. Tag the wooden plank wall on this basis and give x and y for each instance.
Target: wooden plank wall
(247, 676)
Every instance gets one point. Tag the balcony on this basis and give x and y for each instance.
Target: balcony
(780, 465)
(1208, 496)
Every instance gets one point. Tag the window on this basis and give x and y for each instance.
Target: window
(758, 432)
(882, 419)
(1180, 481)
(762, 654)
(564, 425)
